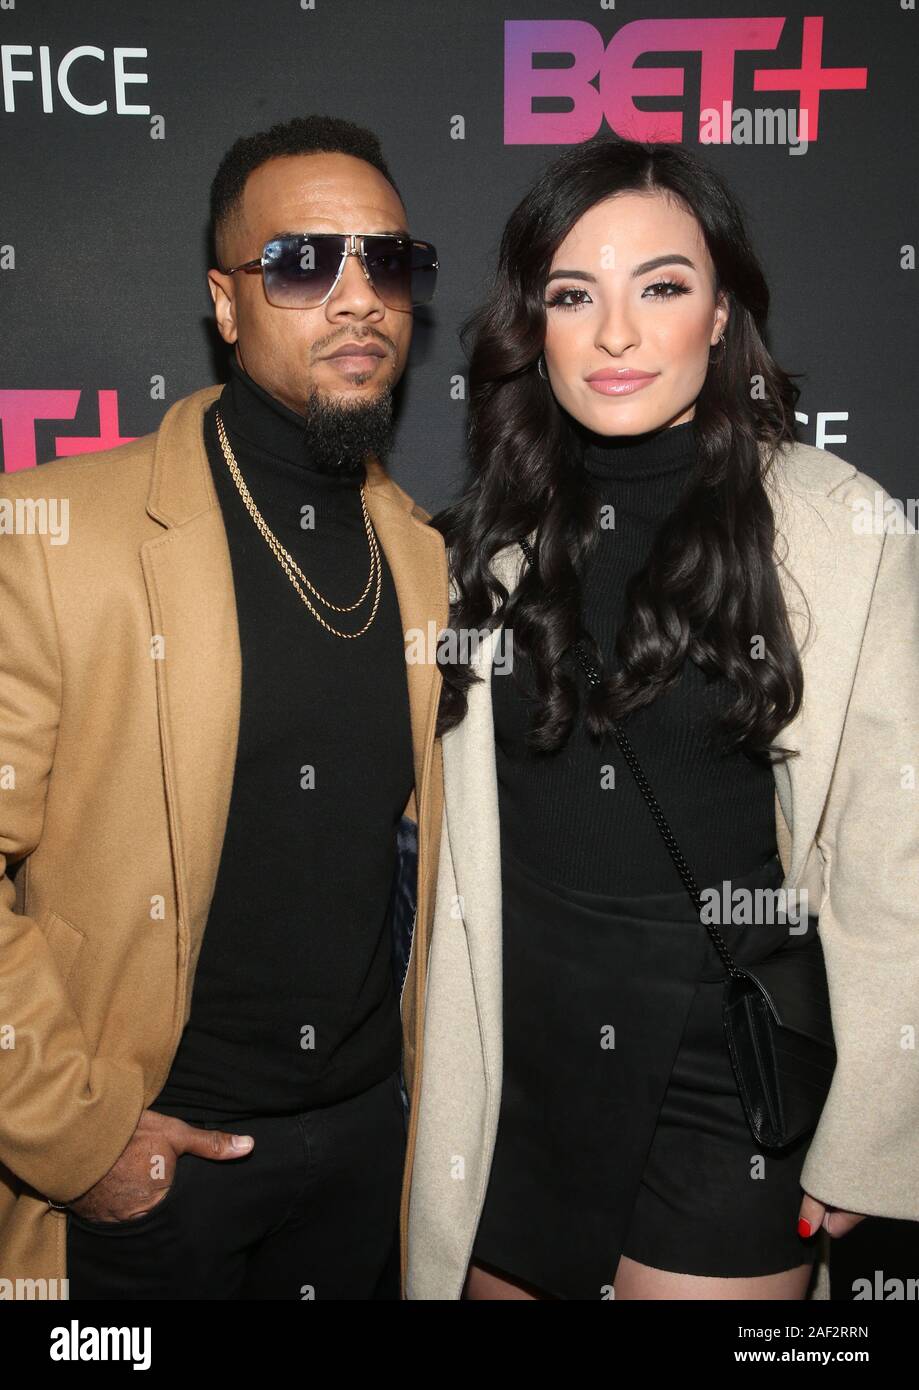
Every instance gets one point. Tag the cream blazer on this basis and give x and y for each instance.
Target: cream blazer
(847, 818)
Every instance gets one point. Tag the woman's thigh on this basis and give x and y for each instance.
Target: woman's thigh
(638, 1281)
(484, 1282)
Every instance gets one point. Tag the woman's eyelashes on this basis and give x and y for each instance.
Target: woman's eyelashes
(560, 300)
(663, 290)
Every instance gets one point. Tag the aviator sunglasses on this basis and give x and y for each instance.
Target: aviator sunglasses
(301, 269)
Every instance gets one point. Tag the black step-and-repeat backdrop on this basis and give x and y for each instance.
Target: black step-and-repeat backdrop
(115, 116)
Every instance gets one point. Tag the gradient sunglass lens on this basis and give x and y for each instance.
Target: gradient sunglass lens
(389, 265)
(299, 271)
(403, 271)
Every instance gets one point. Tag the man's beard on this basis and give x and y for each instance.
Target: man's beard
(337, 437)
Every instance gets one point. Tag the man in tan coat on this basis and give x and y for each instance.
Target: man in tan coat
(138, 805)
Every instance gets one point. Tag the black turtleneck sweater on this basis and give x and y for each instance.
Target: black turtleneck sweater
(294, 1002)
(555, 811)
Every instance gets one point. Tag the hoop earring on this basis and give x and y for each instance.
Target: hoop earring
(539, 367)
(721, 341)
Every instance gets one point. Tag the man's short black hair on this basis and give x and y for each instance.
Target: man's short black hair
(302, 135)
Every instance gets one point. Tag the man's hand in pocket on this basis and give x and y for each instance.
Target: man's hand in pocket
(140, 1178)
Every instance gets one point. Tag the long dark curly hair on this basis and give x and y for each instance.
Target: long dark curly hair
(710, 583)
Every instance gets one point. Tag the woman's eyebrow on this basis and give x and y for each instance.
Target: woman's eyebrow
(673, 258)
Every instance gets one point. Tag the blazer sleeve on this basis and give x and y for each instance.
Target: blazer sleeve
(864, 1156)
(65, 1115)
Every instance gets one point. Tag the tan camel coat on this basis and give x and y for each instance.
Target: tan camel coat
(116, 766)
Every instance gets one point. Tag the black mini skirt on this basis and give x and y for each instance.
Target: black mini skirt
(621, 1130)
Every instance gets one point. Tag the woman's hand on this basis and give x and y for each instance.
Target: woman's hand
(836, 1221)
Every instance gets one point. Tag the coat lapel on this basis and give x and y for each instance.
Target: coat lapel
(816, 559)
(197, 666)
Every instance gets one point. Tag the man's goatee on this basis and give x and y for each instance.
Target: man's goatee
(337, 437)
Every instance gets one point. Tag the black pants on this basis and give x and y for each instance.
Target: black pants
(311, 1212)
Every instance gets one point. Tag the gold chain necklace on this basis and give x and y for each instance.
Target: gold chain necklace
(287, 561)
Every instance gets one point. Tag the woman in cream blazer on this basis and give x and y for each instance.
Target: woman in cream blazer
(847, 833)
(847, 823)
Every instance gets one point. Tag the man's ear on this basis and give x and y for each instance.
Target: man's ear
(223, 295)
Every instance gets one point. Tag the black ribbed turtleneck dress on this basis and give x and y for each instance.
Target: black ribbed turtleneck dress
(621, 1130)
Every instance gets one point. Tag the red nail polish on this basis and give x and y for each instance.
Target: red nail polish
(804, 1227)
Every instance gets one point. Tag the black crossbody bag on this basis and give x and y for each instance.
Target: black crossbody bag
(777, 1020)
